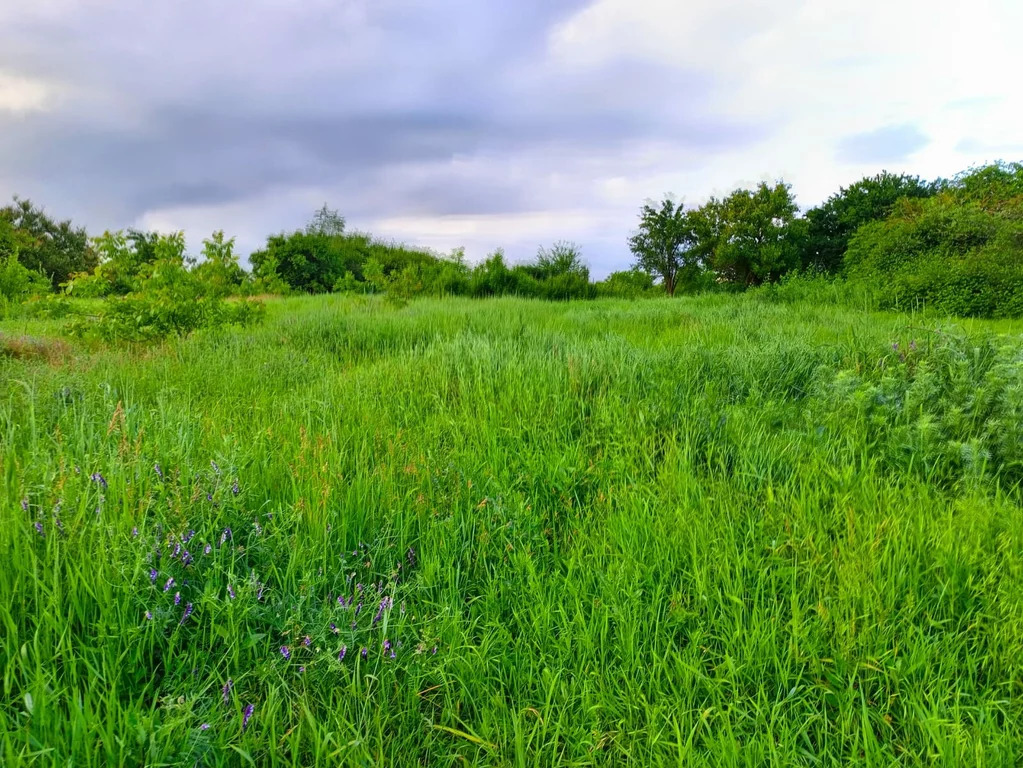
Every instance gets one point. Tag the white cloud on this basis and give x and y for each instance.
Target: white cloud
(20, 94)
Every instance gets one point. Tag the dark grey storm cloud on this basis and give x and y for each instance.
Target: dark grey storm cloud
(890, 144)
(193, 103)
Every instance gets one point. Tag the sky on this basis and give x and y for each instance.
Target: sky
(486, 123)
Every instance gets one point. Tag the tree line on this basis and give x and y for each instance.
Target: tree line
(954, 244)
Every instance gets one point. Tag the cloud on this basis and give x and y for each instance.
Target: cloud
(466, 122)
(19, 95)
(888, 144)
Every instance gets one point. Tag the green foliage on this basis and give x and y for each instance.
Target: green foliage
(627, 284)
(831, 224)
(957, 253)
(55, 249)
(989, 186)
(313, 261)
(304, 261)
(819, 288)
(152, 316)
(17, 282)
(219, 270)
(492, 277)
(326, 222)
(750, 237)
(167, 292)
(663, 245)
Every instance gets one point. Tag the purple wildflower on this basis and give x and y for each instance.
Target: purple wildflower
(259, 529)
(149, 615)
(365, 652)
(187, 537)
(341, 601)
(169, 584)
(307, 641)
(247, 716)
(226, 691)
(895, 346)
(186, 557)
(135, 532)
(358, 609)
(259, 594)
(152, 575)
(387, 645)
(301, 670)
(285, 652)
(24, 505)
(39, 528)
(204, 727)
(216, 469)
(385, 605)
(234, 488)
(359, 587)
(333, 628)
(434, 651)
(187, 613)
(177, 598)
(177, 550)
(96, 477)
(157, 470)
(393, 654)
(411, 557)
(230, 591)
(341, 655)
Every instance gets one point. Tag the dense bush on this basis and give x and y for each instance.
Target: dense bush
(312, 261)
(831, 225)
(52, 248)
(626, 284)
(959, 252)
(167, 293)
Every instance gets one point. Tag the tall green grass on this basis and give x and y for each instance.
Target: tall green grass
(711, 531)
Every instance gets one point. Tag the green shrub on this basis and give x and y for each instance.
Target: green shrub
(959, 253)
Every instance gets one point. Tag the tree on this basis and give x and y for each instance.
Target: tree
(831, 224)
(305, 261)
(749, 234)
(54, 248)
(219, 269)
(562, 258)
(327, 222)
(663, 244)
(17, 282)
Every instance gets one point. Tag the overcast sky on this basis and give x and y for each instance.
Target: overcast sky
(486, 123)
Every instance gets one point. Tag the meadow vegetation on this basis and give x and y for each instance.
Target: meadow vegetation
(726, 530)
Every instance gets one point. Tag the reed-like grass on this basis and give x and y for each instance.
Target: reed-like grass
(714, 531)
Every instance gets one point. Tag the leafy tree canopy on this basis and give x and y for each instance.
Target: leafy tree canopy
(57, 249)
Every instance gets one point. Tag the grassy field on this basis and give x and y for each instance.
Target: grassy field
(710, 531)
